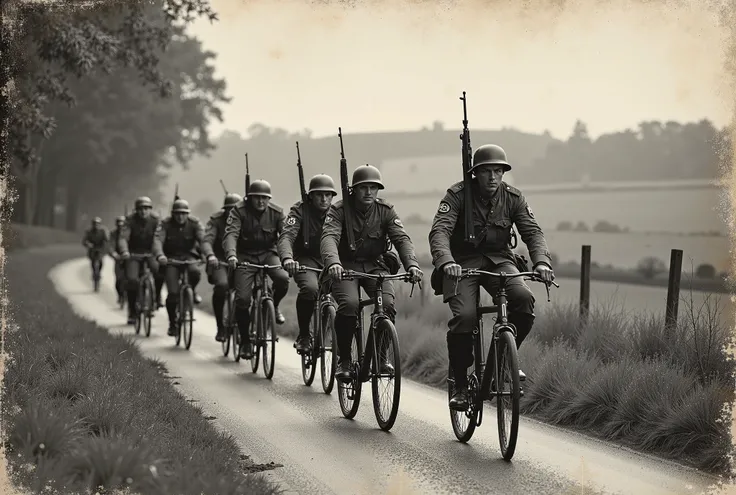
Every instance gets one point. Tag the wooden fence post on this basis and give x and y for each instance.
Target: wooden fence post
(585, 283)
(673, 288)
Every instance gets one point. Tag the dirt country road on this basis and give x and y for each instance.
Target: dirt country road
(300, 427)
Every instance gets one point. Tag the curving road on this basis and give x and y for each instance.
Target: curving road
(302, 429)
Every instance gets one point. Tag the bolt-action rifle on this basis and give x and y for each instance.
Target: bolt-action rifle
(247, 176)
(305, 198)
(467, 175)
(345, 186)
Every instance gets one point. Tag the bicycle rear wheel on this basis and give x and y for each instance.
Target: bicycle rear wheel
(188, 317)
(463, 422)
(268, 318)
(386, 403)
(328, 360)
(507, 405)
(348, 394)
(226, 327)
(96, 275)
(309, 358)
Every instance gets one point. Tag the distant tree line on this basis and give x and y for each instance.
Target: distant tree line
(105, 100)
(653, 151)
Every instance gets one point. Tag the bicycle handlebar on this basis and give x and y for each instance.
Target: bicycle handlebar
(352, 274)
(533, 276)
(303, 269)
(245, 264)
(135, 256)
(184, 262)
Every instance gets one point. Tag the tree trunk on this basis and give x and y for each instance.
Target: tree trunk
(72, 207)
(46, 199)
(28, 199)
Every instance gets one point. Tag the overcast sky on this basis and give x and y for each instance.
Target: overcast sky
(297, 65)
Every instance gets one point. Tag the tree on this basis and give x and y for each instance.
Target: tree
(57, 50)
(654, 151)
(650, 267)
(705, 271)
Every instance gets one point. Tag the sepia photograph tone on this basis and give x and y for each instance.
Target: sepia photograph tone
(368, 247)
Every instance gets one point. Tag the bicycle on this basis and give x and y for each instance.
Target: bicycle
(144, 304)
(482, 380)
(366, 366)
(262, 318)
(121, 296)
(185, 305)
(322, 339)
(96, 256)
(228, 321)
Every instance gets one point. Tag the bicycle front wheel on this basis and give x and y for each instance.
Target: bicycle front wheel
(507, 400)
(386, 381)
(328, 361)
(268, 318)
(148, 303)
(188, 317)
(255, 338)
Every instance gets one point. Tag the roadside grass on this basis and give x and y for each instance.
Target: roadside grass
(18, 236)
(618, 376)
(83, 409)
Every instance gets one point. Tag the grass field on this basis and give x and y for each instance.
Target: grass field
(620, 377)
(684, 211)
(84, 409)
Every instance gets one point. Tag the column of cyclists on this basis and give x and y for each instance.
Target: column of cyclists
(332, 250)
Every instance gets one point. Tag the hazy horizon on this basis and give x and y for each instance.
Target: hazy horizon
(397, 68)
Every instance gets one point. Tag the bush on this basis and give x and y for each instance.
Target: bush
(650, 267)
(705, 271)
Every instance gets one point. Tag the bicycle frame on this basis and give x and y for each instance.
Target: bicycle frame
(367, 352)
(184, 287)
(261, 293)
(501, 325)
(183, 275)
(324, 299)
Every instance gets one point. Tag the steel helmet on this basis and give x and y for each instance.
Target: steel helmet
(143, 201)
(490, 154)
(367, 174)
(120, 219)
(260, 188)
(231, 199)
(322, 182)
(96, 220)
(180, 206)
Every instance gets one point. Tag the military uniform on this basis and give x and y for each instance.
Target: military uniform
(137, 238)
(99, 238)
(251, 236)
(373, 229)
(217, 276)
(177, 241)
(119, 264)
(291, 246)
(492, 222)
